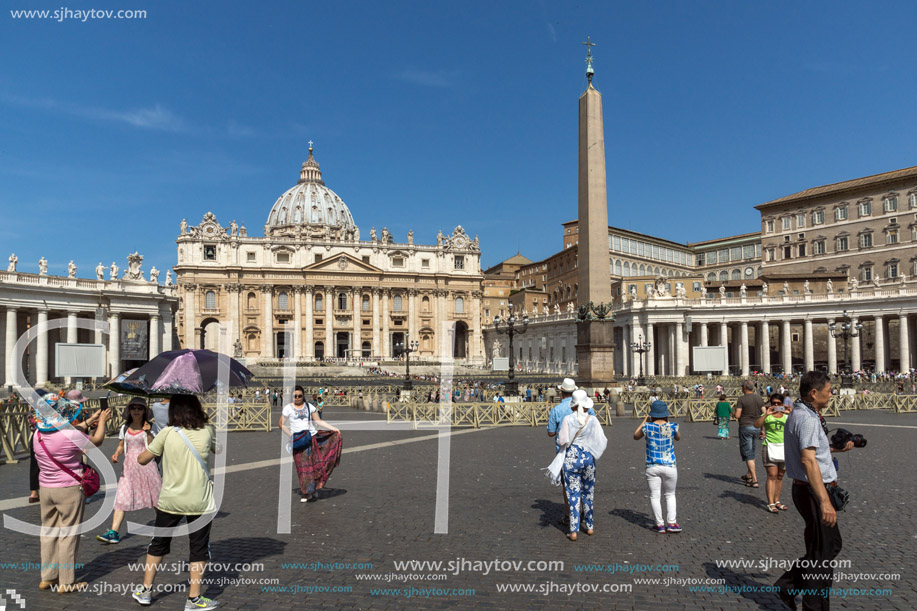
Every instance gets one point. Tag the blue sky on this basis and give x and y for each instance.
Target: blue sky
(427, 115)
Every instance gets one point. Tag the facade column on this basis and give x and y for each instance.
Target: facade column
(625, 350)
(832, 350)
(743, 347)
(267, 338)
(412, 313)
(786, 353)
(904, 349)
(155, 335)
(167, 331)
(41, 351)
(724, 341)
(880, 344)
(651, 353)
(330, 347)
(704, 334)
(72, 329)
(476, 332)
(808, 345)
(765, 342)
(297, 322)
(114, 343)
(356, 339)
(377, 319)
(9, 339)
(672, 346)
(190, 317)
(679, 349)
(309, 352)
(234, 294)
(386, 337)
(855, 358)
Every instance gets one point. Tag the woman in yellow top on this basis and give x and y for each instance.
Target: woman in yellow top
(772, 423)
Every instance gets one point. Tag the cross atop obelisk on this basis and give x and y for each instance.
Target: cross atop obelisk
(589, 71)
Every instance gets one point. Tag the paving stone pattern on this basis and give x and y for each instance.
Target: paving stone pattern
(379, 509)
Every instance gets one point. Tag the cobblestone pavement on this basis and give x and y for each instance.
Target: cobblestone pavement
(345, 550)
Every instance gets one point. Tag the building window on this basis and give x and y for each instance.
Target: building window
(801, 249)
(735, 253)
(250, 257)
(749, 251)
(425, 304)
(736, 274)
(283, 301)
(787, 252)
(700, 260)
(396, 303)
(711, 257)
(210, 252)
(317, 258)
(800, 221)
(364, 305)
(891, 203)
(342, 301)
(840, 213)
(786, 223)
(842, 244)
(319, 303)
(695, 286)
(283, 257)
(459, 262)
(252, 302)
(459, 305)
(866, 240)
(818, 217)
(864, 208)
(724, 255)
(424, 264)
(769, 254)
(769, 226)
(397, 261)
(210, 300)
(818, 248)
(912, 200)
(891, 237)
(365, 258)
(724, 276)
(892, 270)
(867, 274)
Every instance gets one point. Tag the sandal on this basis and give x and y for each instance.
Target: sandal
(781, 506)
(772, 508)
(751, 485)
(746, 478)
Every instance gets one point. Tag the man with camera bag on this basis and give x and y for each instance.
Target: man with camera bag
(815, 490)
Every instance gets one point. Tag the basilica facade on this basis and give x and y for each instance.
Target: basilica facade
(314, 289)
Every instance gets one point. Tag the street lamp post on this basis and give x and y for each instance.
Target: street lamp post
(511, 326)
(408, 347)
(846, 330)
(641, 347)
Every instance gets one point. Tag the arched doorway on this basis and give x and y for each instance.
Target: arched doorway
(210, 334)
(460, 347)
(366, 349)
(319, 350)
(342, 343)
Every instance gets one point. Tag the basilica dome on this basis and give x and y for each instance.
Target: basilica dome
(310, 204)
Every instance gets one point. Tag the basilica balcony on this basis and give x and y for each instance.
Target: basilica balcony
(210, 312)
(399, 314)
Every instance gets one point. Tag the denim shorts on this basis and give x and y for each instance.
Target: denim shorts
(747, 437)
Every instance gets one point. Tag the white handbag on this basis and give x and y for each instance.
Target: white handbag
(775, 452)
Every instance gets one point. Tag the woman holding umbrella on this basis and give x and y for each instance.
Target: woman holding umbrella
(315, 454)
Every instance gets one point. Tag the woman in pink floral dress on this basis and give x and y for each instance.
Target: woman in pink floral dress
(139, 485)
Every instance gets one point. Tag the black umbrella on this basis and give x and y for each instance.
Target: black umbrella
(181, 372)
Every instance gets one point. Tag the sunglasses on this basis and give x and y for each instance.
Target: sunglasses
(137, 408)
(297, 396)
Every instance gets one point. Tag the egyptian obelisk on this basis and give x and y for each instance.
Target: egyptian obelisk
(595, 345)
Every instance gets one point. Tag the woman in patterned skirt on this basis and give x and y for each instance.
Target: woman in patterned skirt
(317, 460)
(139, 485)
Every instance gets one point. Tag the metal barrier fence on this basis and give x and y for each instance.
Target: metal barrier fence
(477, 415)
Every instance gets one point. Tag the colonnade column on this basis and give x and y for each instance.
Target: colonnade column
(167, 331)
(114, 343)
(679, 349)
(856, 363)
(786, 352)
(309, 352)
(904, 348)
(743, 346)
(832, 350)
(356, 339)
(155, 335)
(651, 353)
(72, 336)
(386, 338)
(10, 340)
(808, 345)
(476, 332)
(267, 339)
(41, 351)
(330, 348)
(724, 341)
(880, 344)
(190, 317)
(625, 350)
(765, 342)
(297, 322)
(704, 334)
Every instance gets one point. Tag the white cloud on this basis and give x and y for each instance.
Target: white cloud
(156, 117)
(429, 78)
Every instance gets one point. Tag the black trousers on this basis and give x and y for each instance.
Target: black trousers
(33, 466)
(823, 544)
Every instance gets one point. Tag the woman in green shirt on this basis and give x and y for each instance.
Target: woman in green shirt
(772, 423)
(723, 415)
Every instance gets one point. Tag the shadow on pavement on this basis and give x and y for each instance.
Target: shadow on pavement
(551, 513)
(741, 584)
(756, 501)
(641, 520)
